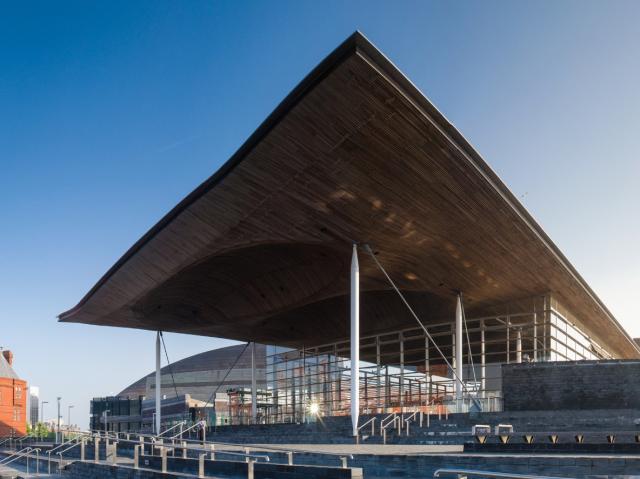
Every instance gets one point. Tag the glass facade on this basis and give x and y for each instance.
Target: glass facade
(404, 370)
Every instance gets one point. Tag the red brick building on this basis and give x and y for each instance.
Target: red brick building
(13, 399)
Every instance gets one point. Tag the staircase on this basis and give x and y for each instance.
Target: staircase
(456, 429)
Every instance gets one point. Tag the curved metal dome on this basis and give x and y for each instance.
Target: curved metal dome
(197, 372)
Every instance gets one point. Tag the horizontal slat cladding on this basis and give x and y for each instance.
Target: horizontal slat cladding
(264, 254)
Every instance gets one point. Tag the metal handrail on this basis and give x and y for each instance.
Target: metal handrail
(202, 448)
(181, 423)
(69, 448)
(19, 453)
(78, 439)
(15, 459)
(289, 452)
(383, 429)
(16, 439)
(373, 425)
(409, 419)
(101, 434)
(198, 424)
(62, 444)
(391, 416)
(490, 474)
(26, 452)
(246, 455)
(60, 453)
(279, 449)
(229, 453)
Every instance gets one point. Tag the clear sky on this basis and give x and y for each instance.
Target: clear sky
(111, 112)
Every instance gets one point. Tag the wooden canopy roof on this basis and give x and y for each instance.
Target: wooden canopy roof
(261, 250)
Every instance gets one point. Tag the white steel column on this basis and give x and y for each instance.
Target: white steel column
(158, 386)
(535, 336)
(519, 345)
(254, 392)
(483, 360)
(378, 374)
(458, 348)
(401, 388)
(355, 340)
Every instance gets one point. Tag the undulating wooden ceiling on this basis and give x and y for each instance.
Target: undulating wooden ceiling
(261, 250)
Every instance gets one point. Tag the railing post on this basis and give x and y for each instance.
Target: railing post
(82, 445)
(96, 448)
(163, 456)
(343, 462)
(247, 451)
(136, 456)
(250, 464)
(184, 449)
(290, 458)
(201, 465)
(141, 439)
(213, 452)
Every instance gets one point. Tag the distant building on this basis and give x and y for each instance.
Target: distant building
(121, 414)
(13, 399)
(34, 405)
(187, 391)
(199, 375)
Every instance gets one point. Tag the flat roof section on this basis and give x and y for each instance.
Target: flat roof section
(261, 250)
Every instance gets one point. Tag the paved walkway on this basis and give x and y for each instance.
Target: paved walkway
(21, 471)
(378, 449)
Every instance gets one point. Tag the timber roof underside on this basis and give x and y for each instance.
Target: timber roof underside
(261, 251)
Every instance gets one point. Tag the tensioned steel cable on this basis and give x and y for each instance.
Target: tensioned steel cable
(415, 316)
(464, 319)
(164, 346)
(226, 375)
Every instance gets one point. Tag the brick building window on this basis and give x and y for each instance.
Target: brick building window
(16, 414)
(18, 392)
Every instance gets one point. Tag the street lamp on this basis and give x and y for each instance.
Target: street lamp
(105, 420)
(42, 410)
(58, 431)
(69, 418)
(42, 417)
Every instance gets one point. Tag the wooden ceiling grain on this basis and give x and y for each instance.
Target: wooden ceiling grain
(261, 250)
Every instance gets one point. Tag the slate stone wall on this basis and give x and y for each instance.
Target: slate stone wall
(573, 385)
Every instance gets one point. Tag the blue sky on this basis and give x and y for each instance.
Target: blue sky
(111, 112)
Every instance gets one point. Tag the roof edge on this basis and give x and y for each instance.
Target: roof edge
(328, 64)
(416, 95)
(358, 43)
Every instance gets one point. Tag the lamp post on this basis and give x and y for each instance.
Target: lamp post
(69, 417)
(42, 416)
(106, 429)
(42, 410)
(58, 431)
